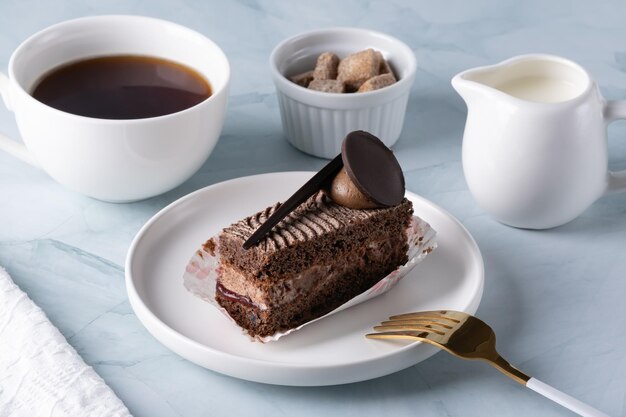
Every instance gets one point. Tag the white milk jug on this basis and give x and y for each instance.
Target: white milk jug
(535, 146)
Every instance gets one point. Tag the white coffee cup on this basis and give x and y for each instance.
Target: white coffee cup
(115, 160)
(535, 145)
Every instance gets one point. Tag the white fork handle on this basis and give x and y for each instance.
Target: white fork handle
(563, 399)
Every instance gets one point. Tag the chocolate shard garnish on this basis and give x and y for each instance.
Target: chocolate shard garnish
(312, 186)
(373, 168)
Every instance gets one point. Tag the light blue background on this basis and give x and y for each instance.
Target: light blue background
(555, 298)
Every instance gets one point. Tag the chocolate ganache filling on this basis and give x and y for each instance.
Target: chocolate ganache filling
(233, 296)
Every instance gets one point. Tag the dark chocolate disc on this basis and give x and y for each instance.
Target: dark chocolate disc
(373, 168)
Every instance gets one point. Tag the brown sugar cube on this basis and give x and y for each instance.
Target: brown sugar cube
(357, 68)
(384, 68)
(377, 82)
(326, 67)
(302, 79)
(328, 86)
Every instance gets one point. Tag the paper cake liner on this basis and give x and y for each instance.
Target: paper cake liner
(201, 274)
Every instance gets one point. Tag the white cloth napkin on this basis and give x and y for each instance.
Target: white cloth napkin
(40, 373)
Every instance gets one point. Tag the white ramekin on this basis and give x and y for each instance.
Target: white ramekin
(316, 122)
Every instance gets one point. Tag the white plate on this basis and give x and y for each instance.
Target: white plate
(328, 352)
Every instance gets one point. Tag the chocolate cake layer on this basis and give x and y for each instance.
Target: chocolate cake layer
(340, 280)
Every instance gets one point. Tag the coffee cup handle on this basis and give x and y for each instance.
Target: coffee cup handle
(8, 145)
(615, 110)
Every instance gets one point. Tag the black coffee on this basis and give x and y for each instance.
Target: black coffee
(122, 87)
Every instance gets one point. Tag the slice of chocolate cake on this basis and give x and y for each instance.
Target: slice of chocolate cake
(317, 258)
(345, 236)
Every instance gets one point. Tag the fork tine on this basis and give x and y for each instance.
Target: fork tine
(417, 322)
(431, 338)
(453, 316)
(457, 315)
(396, 335)
(419, 313)
(416, 328)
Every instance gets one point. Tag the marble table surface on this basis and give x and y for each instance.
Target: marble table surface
(555, 297)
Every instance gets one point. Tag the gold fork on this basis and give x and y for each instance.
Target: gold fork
(468, 337)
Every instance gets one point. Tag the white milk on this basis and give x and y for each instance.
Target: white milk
(540, 89)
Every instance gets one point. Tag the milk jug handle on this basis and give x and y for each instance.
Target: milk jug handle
(13, 147)
(615, 110)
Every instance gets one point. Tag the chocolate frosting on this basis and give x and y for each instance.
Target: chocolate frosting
(311, 187)
(312, 219)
